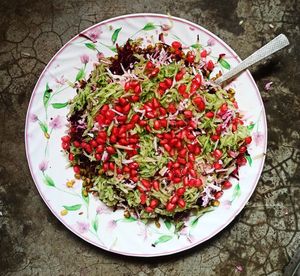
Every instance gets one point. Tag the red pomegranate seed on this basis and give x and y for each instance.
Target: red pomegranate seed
(65, 146)
(149, 65)
(126, 108)
(193, 173)
(190, 57)
(162, 111)
(119, 108)
(133, 172)
(157, 125)
(198, 79)
(149, 209)
(71, 156)
(143, 198)
(76, 169)
(170, 207)
(180, 191)
(248, 140)
(234, 127)
(167, 147)
(217, 166)
(226, 184)
(182, 89)
(123, 142)
(181, 203)
(163, 86)
(172, 108)
(210, 65)
(113, 139)
(176, 44)
(197, 149)
(163, 122)
(105, 167)
(218, 194)
(242, 149)
(100, 149)
(179, 76)
(133, 165)
(198, 182)
(174, 199)
(66, 139)
(191, 157)
(88, 149)
(217, 154)
(203, 54)
(111, 150)
(135, 98)
(241, 161)
(142, 123)
(224, 107)
(199, 102)
(126, 169)
(156, 185)
(150, 115)
(209, 114)
(146, 183)
(122, 101)
(168, 82)
(98, 156)
(154, 73)
(93, 144)
(127, 86)
(153, 203)
(188, 113)
(186, 181)
(181, 160)
(76, 144)
(182, 153)
(215, 138)
(138, 89)
(134, 83)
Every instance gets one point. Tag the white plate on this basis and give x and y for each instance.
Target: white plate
(45, 124)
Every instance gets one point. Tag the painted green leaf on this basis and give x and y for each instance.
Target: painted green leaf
(114, 36)
(72, 207)
(130, 219)
(95, 224)
(196, 46)
(236, 192)
(46, 95)
(194, 222)
(114, 49)
(43, 127)
(249, 159)
(168, 224)
(59, 105)
(163, 238)
(224, 63)
(48, 181)
(91, 46)
(149, 26)
(80, 74)
(200, 214)
(250, 127)
(85, 198)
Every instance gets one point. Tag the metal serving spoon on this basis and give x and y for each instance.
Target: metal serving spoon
(273, 46)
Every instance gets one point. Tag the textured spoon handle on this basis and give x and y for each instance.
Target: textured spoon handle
(273, 46)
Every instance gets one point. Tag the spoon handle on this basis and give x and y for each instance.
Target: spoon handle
(273, 46)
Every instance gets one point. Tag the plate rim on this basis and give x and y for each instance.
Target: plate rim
(242, 205)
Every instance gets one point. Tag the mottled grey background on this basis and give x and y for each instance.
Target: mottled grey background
(260, 241)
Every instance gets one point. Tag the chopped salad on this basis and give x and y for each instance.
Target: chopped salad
(150, 132)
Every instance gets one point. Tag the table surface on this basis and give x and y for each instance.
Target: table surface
(266, 234)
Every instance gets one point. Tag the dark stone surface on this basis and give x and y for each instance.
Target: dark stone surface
(261, 240)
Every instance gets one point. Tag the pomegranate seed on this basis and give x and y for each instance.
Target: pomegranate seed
(215, 138)
(181, 203)
(135, 179)
(111, 150)
(188, 113)
(127, 86)
(182, 88)
(149, 209)
(241, 161)
(190, 57)
(154, 73)
(198, 79)
(88, 149)
(219, 129)
(66, 139)
(162, 111)
(217, 154)
(156, 185)
(170, 207)
(173, 141)
(76, 169)
(65, 146)
(133, 173)
(137, 89)
(163, 122)
(164, 141)
(143, 198)
(126, 108)
(134, 83)
(168, 82)
(181, 161)
(142, 123)
(93, 144)
(172, 108)
(179, 76)
(100, 149)
(242, 149)
(149, 65)
(71, 156)
(105, 167)
(182, 153)
(167, 147)
(119, 108)
(122, 101)
(180, 191)
(193, 173)
(123, 142)
(200, 103)
(203, 54)
(176, 44)
(218, 194)
(111, 166)
(224, 107)
(105, 108)
(133, 165)
(157, 125)
(174, 199)
(126, 169)
(98, 156)
(135, 98)
(226, 184)
(197, 149)
(234, 127)
(76, 144)
(150, 115)
(210, 65)
(153, 203)
(209, 114)
(248, 140)
(217, 166)
(191, 157)
(185, 181)
(198, 182)
(191, 147)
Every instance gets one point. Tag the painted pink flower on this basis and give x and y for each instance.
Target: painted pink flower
(258, 138)
(102, 209)
(56, 123)
(211, 42)
(112, 224)
(192, 28)
(84, 59)
(166, 27)
(100, 55)
(43, 165)
(33, 118)
(94, 34)
(268, 86)
(60, 81)
(82, 227)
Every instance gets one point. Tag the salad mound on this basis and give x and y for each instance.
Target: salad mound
(150, 132)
